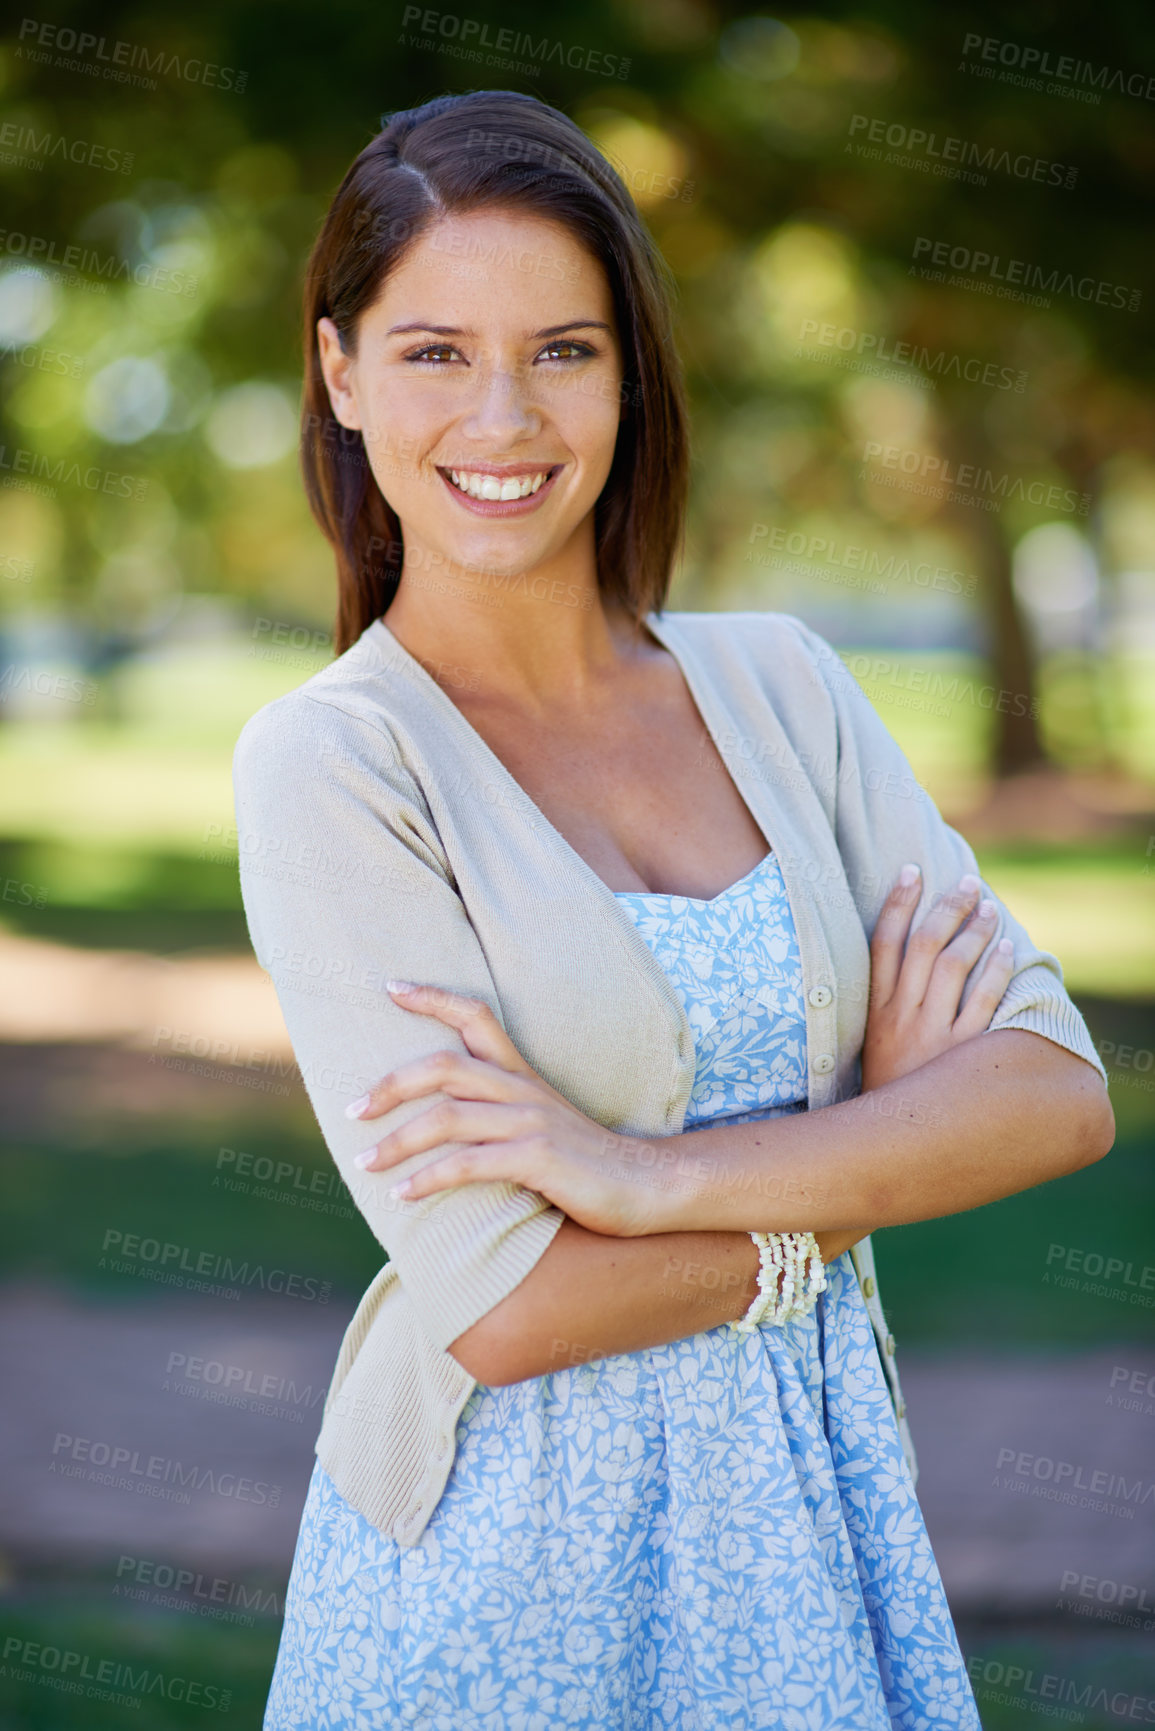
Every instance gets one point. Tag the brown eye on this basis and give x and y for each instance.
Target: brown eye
(577, 350)
(439, 350)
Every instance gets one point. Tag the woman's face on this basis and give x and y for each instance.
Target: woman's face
(491, 354)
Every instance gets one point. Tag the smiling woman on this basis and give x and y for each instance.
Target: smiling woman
(661, 981)
(451, 302)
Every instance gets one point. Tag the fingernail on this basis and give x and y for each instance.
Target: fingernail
(355, 1107)
(1005, 947)
(364, 1159)
(400, 986)
(908, 875)
(403, 1188)
(985, 909)
(969, 884)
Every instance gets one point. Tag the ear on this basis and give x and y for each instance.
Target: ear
(337, 370)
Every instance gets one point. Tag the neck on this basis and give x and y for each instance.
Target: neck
(533, 641)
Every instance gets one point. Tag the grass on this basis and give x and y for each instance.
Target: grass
(977, 1279)
(147, 1658)
(131, 1177)
(1084, 1674)
(1092, 907)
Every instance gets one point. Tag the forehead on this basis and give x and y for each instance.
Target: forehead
(518, 267)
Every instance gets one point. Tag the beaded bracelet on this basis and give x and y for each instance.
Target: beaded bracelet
(794, 1259)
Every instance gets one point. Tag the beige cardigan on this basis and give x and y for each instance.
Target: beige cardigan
(380, 838)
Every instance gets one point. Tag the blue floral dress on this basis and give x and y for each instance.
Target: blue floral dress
(720, 1534)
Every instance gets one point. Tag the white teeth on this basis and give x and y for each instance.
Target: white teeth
(489, 487)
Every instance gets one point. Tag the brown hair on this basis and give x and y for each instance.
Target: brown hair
(494, 148)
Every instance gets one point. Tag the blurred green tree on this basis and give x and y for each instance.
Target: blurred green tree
(799, 173)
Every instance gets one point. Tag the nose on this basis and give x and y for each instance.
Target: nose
(502, 410)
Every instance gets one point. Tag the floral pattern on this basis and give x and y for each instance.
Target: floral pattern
(720, 1534)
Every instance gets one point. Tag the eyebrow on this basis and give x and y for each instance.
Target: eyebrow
(455, 331)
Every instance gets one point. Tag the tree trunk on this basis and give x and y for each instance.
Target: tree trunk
(1015, 744)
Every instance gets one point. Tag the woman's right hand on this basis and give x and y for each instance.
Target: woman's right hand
(916, 985)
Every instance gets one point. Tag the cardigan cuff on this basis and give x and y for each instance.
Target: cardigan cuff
(1056, 1018)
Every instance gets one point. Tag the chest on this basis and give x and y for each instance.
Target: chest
(639, 792)
(583, 996)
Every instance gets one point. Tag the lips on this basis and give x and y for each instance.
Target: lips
(471, 481)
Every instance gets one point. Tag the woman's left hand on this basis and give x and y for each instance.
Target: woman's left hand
(514, 1126)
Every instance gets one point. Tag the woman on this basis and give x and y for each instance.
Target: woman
(645, 873)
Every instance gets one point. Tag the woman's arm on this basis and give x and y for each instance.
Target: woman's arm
(952, 1114)
(592, 1297)
(956, 1114)
(999, 1114)
(599, 1291)
(345, 883)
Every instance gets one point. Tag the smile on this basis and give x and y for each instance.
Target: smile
(502, 494)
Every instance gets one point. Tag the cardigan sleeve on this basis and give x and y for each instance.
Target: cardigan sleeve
(883, 819)
(345, 885)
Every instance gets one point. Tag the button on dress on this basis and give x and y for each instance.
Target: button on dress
(719, 1534)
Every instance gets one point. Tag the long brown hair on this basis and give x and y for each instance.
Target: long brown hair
(494, 148)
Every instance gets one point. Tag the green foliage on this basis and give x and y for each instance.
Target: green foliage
(149, 1661)
(750, 159)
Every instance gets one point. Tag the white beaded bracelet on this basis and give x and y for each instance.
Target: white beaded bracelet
(794, 1259)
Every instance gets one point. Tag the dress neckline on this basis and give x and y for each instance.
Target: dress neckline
(700, 901)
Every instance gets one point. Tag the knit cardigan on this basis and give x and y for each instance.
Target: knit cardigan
(380, 838)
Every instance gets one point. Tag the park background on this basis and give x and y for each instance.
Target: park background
(791, 169)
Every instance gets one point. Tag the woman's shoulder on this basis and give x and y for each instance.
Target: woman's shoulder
(788, 656)
(342, 711)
